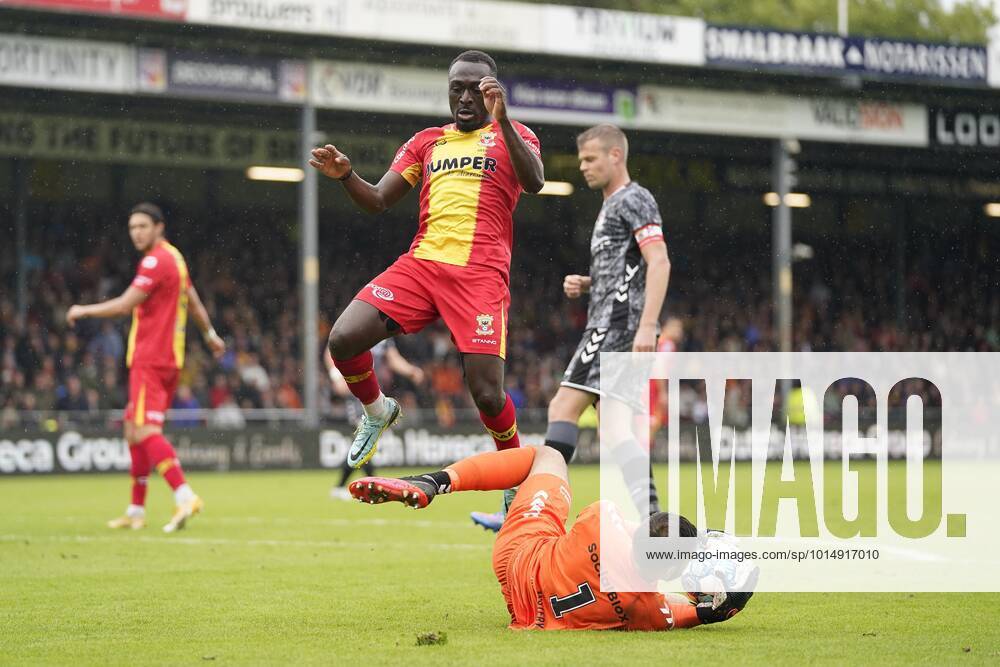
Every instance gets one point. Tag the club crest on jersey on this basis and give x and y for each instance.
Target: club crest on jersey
(380, 292)
(488, 139)
(484, 325)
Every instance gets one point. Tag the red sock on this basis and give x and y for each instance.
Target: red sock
(503, 427)
(492, 471)
(359, 373)
(140, 473)
(162, 455)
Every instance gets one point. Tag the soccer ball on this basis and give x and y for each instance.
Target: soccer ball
(707, 581)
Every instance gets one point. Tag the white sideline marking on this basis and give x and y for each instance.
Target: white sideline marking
(419, 523)
(197, 541)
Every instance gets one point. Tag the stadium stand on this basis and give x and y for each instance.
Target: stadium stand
(720, 289)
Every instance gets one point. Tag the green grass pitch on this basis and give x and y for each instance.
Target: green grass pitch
(276, 572)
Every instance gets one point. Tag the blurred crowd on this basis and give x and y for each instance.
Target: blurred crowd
(849, 296)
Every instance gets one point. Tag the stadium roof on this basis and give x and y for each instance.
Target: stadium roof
(575, 32)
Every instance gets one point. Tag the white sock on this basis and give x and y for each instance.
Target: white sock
(135, 511)
(377, 408)
(183, 494)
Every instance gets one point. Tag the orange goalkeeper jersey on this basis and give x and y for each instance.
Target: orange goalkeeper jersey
(468, 194)
(566, 577)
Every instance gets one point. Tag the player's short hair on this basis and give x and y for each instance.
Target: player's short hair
(659, 526)
(150, 209)
(474, 56)
(609, 135)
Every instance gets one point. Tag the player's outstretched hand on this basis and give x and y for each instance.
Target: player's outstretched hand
(575, 286)
(330, 162)
(73, 314)
(494, 97)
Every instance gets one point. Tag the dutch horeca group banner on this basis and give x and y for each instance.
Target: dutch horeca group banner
(201, 449)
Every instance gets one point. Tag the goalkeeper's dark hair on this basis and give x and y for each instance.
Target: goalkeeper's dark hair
(150, 209)
(659, 526)
(644, 541)
(474, 56)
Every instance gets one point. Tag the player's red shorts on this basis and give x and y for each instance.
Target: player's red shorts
(150, 392)
(535, 520)
(473, 301)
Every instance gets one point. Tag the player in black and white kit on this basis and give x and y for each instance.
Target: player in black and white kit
(628, 222)
(629, 272)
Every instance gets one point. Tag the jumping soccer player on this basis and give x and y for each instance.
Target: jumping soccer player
(457, 268)
(158, 299)
(550, 578)
(629, 272)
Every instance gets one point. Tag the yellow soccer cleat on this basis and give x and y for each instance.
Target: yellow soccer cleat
(183, 513)
(128, 522)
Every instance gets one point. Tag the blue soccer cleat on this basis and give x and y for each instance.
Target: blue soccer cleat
(495, 520)
(492, 521)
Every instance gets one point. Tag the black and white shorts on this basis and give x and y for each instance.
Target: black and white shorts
(584, 370)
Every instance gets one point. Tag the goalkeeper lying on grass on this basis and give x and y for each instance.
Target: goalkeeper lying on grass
(550, 578)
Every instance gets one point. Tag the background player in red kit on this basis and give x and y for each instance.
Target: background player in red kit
(670, 341)
(158, 299)
(551, 578)
(457, 268)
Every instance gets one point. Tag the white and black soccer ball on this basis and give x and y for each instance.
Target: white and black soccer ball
(707, 581)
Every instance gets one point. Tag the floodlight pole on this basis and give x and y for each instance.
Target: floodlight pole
(21, 232)
(309, 270)
(902, 215)
(783, 177)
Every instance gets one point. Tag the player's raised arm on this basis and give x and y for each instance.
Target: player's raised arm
(200, 315)
(332, 163)
(117, 307)
(525, 158)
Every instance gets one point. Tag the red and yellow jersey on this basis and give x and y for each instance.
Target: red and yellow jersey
(159, 323)
(568, 582)
(468, 194)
